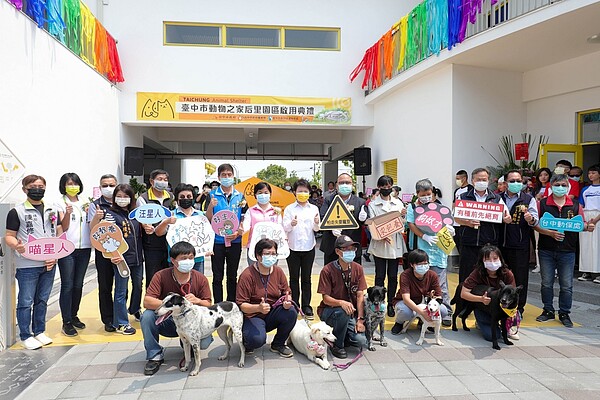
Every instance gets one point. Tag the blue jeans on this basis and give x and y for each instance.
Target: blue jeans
(120, 298)
(151, 331)
(255, 329)
(135, 303)
(72, 270)
(443, 279)
(564, 264)
(35, 285)
(484, 323)
(344, 328)
(404, 313)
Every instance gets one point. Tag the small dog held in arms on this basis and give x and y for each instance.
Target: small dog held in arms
(503, 305)
(375, 315)
(312, 341)
(195, 322)
(431, 304)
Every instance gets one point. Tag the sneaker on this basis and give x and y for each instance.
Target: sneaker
(248, 351)
(536, 270)
(447, 322)
(283, 350)
(390, 311)
(68, 329)
(367, 257)
(396, 329)
(109, 328)
(565, 319)
(597, 280)
(585, 277)
(43, 339)
(513, 333)
(152, 366)
(545, 316)
(126, 329)
(137, 316)
(308, 313)
(31, 343)
(338, 353)
(76, 322)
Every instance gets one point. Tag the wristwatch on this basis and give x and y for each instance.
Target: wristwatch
(361, 318)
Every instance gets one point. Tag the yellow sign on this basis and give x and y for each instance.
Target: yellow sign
(338, 216)
(445, 241)
(243, 109)
(210, 168)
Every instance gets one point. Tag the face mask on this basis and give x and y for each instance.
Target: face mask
(185, 203)
(459, 182)
(288, 187)
(348, 255)
(72, 190)
(560, 190)
(492, 265)
(107, 191)
(302, 197)
(574, 178)
(421, 269)
(185, 266)
(263, 198)
(122, 201)
(515, 187)
(227, 182)
(269, 260)
(345, 189)
(385, 192)
(425, 199)
(161, 185)
(481, 186)
(36, 193)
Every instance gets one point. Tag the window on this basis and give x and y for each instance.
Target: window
(253, 37)
(588, 124)
(188, 34)
(296, 38)
(390, 167)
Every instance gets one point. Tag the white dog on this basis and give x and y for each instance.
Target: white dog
(432, 306)
(312, 341)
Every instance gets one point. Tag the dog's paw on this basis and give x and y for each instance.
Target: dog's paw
(455, 329)
(241, 364)
(439, 343)
(183, 369)
(223, 357)
(383, 343)
(371, 348)
(194, 373)
(419, 342)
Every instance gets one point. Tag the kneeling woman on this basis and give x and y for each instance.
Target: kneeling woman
(489, 270)
(259, 290)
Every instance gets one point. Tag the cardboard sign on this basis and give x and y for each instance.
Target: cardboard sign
(432, 217)
(225, 223)
(107, 238)
(195, 230)
(338, 216)
(150, 213)
(485, 212)
(273, 231)
(575, 224)
(385, 225)
(445, 241)
(50, 248)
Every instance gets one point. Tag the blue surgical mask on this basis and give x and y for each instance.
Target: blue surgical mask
(226, 182)
(421, 269)
(263, 198)
(515, 187)
(560, 190)
(348, 255)
(345, 189)
(185, 266)
(269, 260)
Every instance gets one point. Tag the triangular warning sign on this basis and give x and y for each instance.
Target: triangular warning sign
(338, 216)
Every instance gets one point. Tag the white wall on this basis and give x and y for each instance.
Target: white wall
(58, 114)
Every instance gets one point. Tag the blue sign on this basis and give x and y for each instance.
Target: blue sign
(548, 221)
(150, 213)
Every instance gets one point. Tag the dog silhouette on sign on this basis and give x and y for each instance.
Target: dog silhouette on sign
(158, 109)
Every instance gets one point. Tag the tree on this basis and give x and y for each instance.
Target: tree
(273, 174)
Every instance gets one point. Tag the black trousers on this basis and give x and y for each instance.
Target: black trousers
(327, 258)
(389, 267)
(230, 255)
(467, 261)
(300, 266)
(106, 277)
(154, 261)
(518, 262)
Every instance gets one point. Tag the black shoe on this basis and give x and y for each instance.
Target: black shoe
(77, 323)
(565, 319)
(152, 366)
(390, 311)
(109, 328)
(545, 316)
(282, 350)
(367, 257)
(338, 353)
(69, 330)
(248, 351)
(396, 329)
(308, 312)
(138, 316)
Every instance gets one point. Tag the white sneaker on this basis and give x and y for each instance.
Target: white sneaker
(513, 333)
(43, 339)
(31, 343)
(536, 269)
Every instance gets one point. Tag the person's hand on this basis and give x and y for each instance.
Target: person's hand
(149, 229)
(425, 316)
(528, 217)
(231, 238)
(403, 213)
(264, 308)
(171, 220)
(558, 236)
(474, 223)
(116, 260)
(451, 229)
(287, 303)
(49, 264)
(485, 299)
(213, 203)
(591, 226)
(20, 247)
(100, 212)
(430, 239)
(507, 218)
(362, 215)
(69, 209)
(317, 219)
(348, 307)
(295, 221)
(360, 326)
(336, 232)
(191, 298)
(388, 240)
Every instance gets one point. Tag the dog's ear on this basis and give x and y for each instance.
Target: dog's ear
(177, 299)
(502, 284)
(384, 291)
(314, 329)
(439, 300)
(519, 288)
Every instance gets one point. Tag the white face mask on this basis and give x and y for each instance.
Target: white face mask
(161, 185)
(107, 191)
(185, 266)
(492, 265)
(122, 201)
(481, 186)
(425, 199)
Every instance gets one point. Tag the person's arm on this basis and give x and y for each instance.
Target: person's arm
(287, 220)
(162, 228)
(245, 224)
(333, 302)
(212, 203)
(531, 216)
(413, 306)
(316, 219)
(98, 216)
(151, 303)
(467, 295)
(13, 242)
(360, 302)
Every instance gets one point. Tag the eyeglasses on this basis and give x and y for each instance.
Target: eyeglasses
(269, 254)
(515, 181)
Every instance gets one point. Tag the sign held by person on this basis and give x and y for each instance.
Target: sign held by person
(150, 213)
(480, 211)
(273, 231)
(385, 225)
(49, 248)
(196, 230)
(225, 223)
(107, 238)
(575, 224)
(432, 217)
(338, 216)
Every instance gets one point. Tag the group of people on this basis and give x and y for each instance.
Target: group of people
(490, 253)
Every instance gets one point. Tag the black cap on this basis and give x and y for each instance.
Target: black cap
(344, 241)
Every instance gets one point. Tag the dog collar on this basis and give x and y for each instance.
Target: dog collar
(378, 308)
(316, 347)
(433, 316)
(509, 311)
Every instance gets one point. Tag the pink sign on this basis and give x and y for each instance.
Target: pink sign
(432, 217)
(487, 212)
(50, 248)
(225, 223)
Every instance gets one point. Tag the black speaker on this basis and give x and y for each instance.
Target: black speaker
(362, 161)
(134, 161)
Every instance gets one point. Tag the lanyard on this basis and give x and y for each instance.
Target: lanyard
(346, 277)
(184, 288)
(265, 282)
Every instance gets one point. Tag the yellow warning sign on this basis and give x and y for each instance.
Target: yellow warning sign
(338, 216)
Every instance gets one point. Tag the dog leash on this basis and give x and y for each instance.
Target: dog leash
(347, 365)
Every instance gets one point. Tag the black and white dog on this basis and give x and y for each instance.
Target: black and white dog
(431, 304)
(195, 322)
(375, 315)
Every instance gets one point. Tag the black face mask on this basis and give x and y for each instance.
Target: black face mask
(185, 203)
(36, 193)
(385, 192)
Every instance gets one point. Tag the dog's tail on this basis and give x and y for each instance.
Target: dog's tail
(456, 294)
